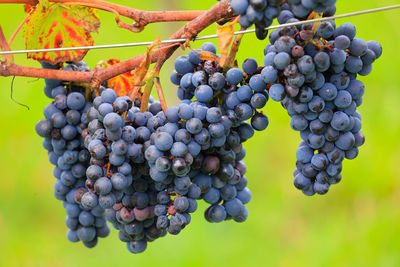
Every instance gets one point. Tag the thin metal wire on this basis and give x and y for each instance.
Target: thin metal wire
(352, 14)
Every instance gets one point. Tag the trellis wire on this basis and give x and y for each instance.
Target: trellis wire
(352, 14)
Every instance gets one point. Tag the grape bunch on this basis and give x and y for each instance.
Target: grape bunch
(225, 100)
(145, 171)
(263, 12)
(313, 72)
(119, 174)
(148, 169)
(65, 122)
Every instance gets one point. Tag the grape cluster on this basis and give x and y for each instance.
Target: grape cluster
(314, 76)
(65, 121)
(211, 164)
(148, 169)
(119, 175)
(225, 100)
(263, 12)
(144, 172)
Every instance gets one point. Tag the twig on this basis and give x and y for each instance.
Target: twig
(160, 93)
(134, 93)
(141, 17)
(8, 59)
(146, 94)
(120, 23)
(189, 31)
(73, 76)
(20, 27)
(219, 11)
(234, 50)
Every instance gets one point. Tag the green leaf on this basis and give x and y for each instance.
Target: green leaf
(56, 25)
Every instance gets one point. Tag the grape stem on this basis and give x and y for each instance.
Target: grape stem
(7, 59)
(160, 93)
(20, 27)
(219, 12)
(120, 23)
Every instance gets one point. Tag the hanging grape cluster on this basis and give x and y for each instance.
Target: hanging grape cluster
(144, 172)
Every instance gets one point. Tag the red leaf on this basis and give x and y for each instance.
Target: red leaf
(28, 8)
(55, 25)
(122, 84)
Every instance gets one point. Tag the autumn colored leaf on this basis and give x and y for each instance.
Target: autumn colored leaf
(140, 72)
(225, 35)
(122, 84)
(230, 62)
(28, 8)
(207, 55)
(126, 83)
(56, 25)
(147, 92)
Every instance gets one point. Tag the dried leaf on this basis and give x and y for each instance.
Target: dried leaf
(28, 8)
(225, 36)
(55, 25)
(140, 73)
(207, 55)
(147, 92)
(130, 82)
(230, 62)
(160, 93)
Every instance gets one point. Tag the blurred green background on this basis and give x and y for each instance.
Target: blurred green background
(356, 224)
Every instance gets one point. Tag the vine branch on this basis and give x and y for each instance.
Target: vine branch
(8, 59)
(120, 23)
(19, 27)
(141, 17)
(220, 11)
